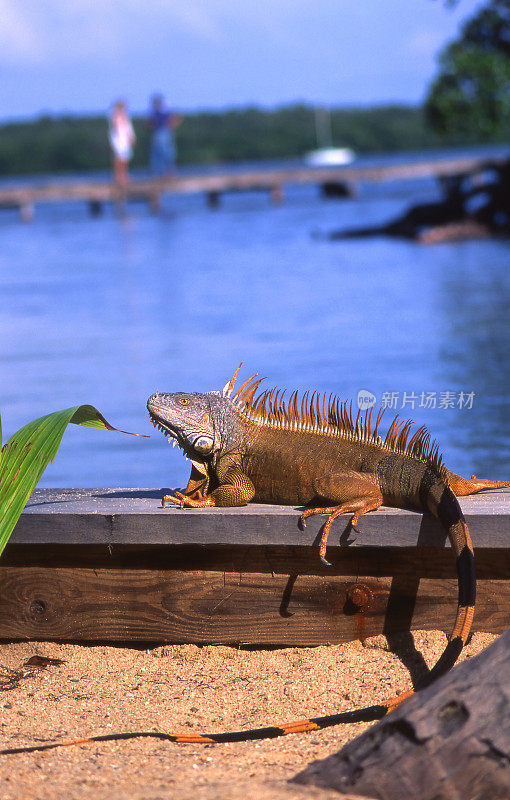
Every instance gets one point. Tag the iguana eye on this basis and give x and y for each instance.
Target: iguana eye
(183, 401)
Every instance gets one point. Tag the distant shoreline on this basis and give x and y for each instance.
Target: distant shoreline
(67, 143)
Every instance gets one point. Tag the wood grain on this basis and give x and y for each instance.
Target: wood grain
(423, 562)
(213, 607)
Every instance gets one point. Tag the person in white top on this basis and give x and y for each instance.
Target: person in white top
(122, 139)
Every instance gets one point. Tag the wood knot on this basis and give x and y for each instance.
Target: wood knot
(452, 716)
(37, 608)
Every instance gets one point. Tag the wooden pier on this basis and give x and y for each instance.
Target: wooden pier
(333, 181)
(113, 565)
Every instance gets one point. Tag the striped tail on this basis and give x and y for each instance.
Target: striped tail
(442, 502)
(436, 495)
(271, 732)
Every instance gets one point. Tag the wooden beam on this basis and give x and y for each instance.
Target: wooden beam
(276, 193)
(223, 607)
(112, 565)
(26, 211)
(213, 198)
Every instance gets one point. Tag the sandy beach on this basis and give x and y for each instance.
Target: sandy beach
(185, 688)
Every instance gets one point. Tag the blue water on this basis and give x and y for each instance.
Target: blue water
(106, 310)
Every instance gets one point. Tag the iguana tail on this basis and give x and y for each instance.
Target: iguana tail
(463, 486)
(440, 500)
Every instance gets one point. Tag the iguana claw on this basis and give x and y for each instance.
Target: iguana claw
(181, 500)
(177, 498)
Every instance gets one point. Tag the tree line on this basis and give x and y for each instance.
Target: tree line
(52, 144)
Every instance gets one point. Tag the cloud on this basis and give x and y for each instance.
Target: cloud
(81, 53)
(59, 31)
(55, 31)
(18, 37)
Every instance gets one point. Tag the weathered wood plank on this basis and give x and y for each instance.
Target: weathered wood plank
(422, 562)
(217, 607)
(135, 516)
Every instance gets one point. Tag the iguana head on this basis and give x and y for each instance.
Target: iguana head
(207, 426)
(203, 425)
(186, 420)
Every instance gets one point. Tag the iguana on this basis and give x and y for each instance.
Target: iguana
(252, 445)
(246, 446)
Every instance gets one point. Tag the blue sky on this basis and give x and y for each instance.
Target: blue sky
(78, 55)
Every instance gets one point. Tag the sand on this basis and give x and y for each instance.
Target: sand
(184, 688)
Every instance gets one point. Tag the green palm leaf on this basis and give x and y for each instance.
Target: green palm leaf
(25, 456)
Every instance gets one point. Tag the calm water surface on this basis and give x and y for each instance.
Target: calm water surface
(107, 310)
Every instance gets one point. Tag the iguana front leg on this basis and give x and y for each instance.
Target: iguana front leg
(196, 489)
(353, 492)
(235, 489)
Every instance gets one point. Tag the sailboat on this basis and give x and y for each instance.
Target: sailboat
(326, 155)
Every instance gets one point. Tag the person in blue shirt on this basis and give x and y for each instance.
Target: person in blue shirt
(162, 123)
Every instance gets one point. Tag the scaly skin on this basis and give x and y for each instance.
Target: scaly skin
(246, 448)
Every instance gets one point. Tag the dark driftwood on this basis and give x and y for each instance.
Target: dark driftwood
(112, 565)
(452, 217)
(449, 742)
